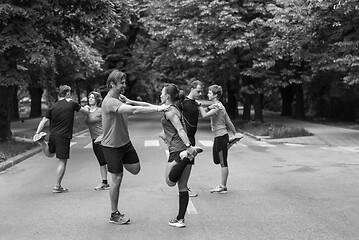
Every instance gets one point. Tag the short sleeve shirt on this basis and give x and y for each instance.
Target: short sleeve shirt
(61, 116)
(218, 122)
(114, 124)
(94, 122)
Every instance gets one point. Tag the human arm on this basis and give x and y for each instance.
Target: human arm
(212, 110)
(85, 110)
(176, 122)
(230, 125)
(129, 109)
(124, 99)
(42, 124)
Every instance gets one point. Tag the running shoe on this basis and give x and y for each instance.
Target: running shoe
(39, 137)
(119, 218)
(234, 140)
(219, 189)
(192, 194)
(102, 186)
(177, 223)
(184, 153)
(59, 189)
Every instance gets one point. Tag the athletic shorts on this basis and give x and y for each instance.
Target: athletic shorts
(60, 146)
(220, 151)
(174, 156)
(97, 148)
(116, 157)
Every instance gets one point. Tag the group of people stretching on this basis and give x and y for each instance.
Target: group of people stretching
(108, 125)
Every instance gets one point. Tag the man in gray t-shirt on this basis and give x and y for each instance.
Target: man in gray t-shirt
(117, 147)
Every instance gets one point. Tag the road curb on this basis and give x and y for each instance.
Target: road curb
(19, 158)
(23, 156)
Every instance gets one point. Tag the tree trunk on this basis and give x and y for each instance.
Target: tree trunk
(287, 100)
(5, 111)
(15, 105)
(257, 105)
(35, 95)
(232, 100)
(247, 107)
(78, 93)
(299, 102)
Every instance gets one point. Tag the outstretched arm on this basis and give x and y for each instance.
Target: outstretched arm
(209, 113)
(133, 102)
(129, 109)
(85, 110)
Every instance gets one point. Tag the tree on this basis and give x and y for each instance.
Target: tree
(35, 32)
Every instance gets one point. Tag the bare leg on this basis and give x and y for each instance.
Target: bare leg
(115, 190)
(103, 170)
(134, 168)
(61, 168)
(45, 149)
(224, 176)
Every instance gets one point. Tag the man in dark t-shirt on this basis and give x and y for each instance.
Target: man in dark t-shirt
(61, 117)
(189, 108)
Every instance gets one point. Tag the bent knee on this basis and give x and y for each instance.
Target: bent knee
(170, 183)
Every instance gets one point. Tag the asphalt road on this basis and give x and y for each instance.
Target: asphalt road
(276, 191)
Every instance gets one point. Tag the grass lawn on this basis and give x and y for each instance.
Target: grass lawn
(273, 131)
(12, 148)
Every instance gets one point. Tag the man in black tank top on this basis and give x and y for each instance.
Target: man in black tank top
(189, 108)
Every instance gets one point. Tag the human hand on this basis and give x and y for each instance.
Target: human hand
(163, 108)
(122, 98)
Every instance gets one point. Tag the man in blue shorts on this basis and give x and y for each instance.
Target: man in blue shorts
(61, 117)
(117, 147)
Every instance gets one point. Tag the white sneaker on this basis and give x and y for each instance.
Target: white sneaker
(177, 223)
(219, 189)
(185, 153)
(39, 137)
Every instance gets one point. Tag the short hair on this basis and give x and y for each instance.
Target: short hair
(216, 89)
(63, 90)
(98, 97)
(114, 76)
(195, 83)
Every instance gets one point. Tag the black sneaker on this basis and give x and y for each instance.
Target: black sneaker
(119, 218)
(234, 140)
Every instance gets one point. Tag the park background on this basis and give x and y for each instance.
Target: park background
(299, 58)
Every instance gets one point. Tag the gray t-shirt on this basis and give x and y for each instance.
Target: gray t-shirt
(94, 122)
(114, 124)
(218, 121)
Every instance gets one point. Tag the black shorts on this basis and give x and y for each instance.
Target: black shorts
(220, 151)
(116, 157)
(60, 146)
(97, 148)
(174, 156)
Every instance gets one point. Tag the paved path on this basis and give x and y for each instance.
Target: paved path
(323, 134)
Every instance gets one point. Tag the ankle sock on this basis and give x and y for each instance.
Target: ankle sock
(104, 181)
